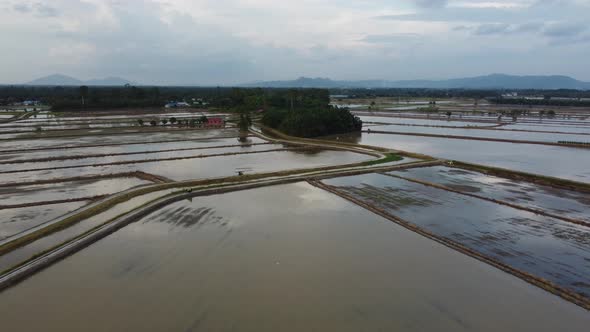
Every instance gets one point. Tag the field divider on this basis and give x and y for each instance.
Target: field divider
(186, 189)
(147, 130)
(523, 176)
(501, 202)
(489, 139)
(420, 117)
(113, 144)
(359, 148)
(130, 162)
(59, 201)
(12, 243)
(491, 128)
(25, 115)
(77, 157)
(532, 279)
(136, 174)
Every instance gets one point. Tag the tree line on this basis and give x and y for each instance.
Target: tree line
(63, 98)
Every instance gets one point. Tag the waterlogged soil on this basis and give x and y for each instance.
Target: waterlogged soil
(549, 248)
(486, 133)
(14, 221)
(88, 138)
(226, 263)
(65, 190)
(554, 161)
(201, 168)
(130, 148)
(80, 162)
(52, 240)
(424, 122)
(47, 134)
(252, 163)
(550, 127)
(559, 202)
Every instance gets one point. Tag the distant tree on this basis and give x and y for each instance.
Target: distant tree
(154, 123)
(140, 122)
(515, 114)
(551, 114)
(449, 114)
(84, 95)
(164, 122)
(173, 120)
(245, 121)
(204, 119)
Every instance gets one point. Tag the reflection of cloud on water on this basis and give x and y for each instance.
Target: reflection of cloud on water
(187, 217)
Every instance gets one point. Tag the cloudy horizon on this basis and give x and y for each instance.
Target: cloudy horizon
(235, 41)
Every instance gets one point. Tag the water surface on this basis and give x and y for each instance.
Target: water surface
(306, 260)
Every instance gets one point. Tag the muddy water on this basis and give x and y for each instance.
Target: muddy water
(555, 127)
(560, 202)
(52, 240)
(306, 261)
(486, 133)
(14, 221)
(425, 122)
(80, 162)
(47, 142)
(538, 159)
(202, 168)
(545, 247)
(127, 148)
(65, 190)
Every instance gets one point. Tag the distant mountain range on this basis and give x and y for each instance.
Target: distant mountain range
(494, 81)
(58, 79)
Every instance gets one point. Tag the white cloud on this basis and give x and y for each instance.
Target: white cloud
(229, 41)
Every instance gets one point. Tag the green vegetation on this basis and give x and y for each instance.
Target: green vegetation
(389, 157)
(96, 98)
(313, 122)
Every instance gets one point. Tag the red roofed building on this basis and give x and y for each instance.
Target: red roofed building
(215, 122)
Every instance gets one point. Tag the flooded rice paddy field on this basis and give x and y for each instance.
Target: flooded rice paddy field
(543, 125)
(22, 254)
(487, 133)
(425, 122)
(545, 247)
(561, 202)
(48, 134)
(201, 168)
(135, 148)
(14, 221)
(147, 155)
(88, 138)
(307, 260)
(550, 127)
(581, 119)
(65, 190)
(554, 161)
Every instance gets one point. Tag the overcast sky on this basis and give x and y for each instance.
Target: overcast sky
(235, 41)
